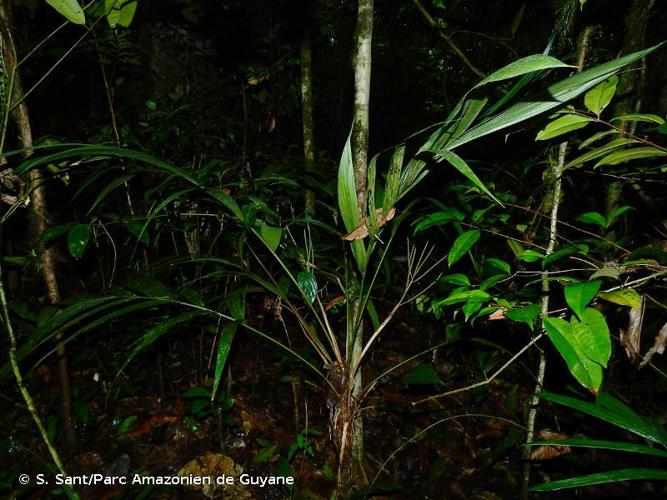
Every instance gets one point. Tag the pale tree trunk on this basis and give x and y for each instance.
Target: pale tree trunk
(39, 212)
(353, 431)
(307, 107)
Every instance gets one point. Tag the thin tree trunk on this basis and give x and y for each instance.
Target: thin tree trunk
(360, 128)
(39, 212)
(307, 108)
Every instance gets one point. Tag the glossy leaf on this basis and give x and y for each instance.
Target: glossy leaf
(562, 125)
(599, 97)
(456, 279)
(439, 218)
(461, 245)
(77, 239)
(530, 256)
(579, 295)
(70, 9)
(308, 285)
(462, 296)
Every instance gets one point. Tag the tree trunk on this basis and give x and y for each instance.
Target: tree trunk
(307, 108)
(38, 210)
(349, 428)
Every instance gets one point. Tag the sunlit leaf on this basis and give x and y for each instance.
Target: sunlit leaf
(623, 297)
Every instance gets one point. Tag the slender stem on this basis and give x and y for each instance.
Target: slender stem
(13, 360)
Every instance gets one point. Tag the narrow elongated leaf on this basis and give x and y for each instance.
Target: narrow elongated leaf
(579, 295)
(628, 420)
(529, 64)
(459, 164)
(601, 151)
(626, 155)
(77, 239)
(599, 97)
(614, 476)
(462, 244)
(224, 346)
(118, 181)
(70, 9)
(562, 125)
(640, 117)
(457, 297)
(558, 93)
(596, 137)
(439, 218)
(602, 445)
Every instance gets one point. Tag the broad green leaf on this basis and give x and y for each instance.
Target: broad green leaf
(270, 235)
(601, 151)
(224, 346)
(623, 297)
(308, 285)
(614, 476)
(461, 245)
(516, 248)
(423, 374)
(470, 308)
(599, 97)
(525, 314)
(70, 9)
(562, 125)
(593, 218)
(606, 272)
(639, 117)
(53, 232)
(579, 295)
(626, 155)
(464, 296)
(530, 256)
(592, 336)
(587, 373)
(459, 164)
(456, 279)
(77, 239)
(120, 12)
(498, 264)
(439, 218)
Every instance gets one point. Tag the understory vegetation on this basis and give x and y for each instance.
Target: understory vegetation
(329, 249)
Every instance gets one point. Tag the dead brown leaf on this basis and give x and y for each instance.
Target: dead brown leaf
(548, 451)
(361, 231)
